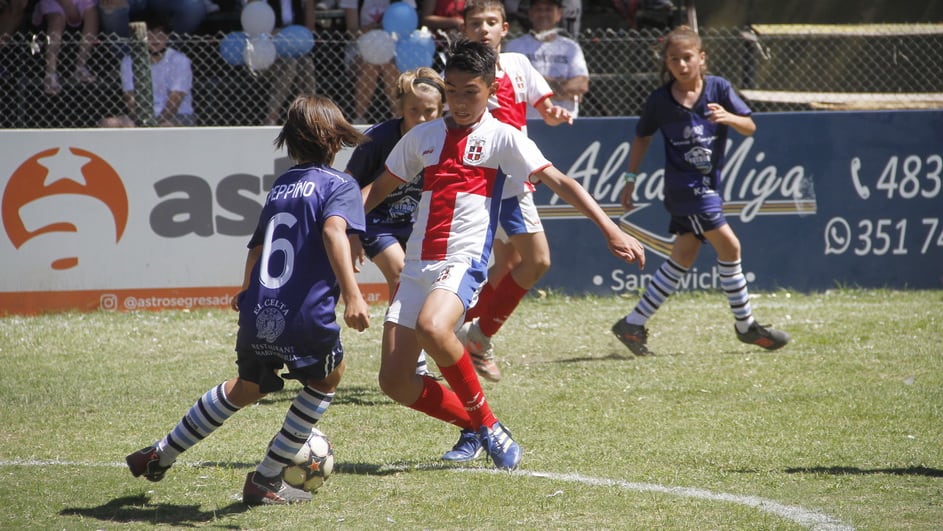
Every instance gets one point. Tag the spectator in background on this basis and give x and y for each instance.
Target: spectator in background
(445, 15)
(444, 20)
(55, 15)
(558, 59)
(368, 17)
(187, 15)
(171, 79)
(288, 72)
(11, 17)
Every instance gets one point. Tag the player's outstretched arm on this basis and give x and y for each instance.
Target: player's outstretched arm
(380, 188)
(554, 115)
(251, 258)
(356, 311)
(622, 245)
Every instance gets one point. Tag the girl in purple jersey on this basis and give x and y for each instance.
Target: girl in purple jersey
(299, 262)
(694, 112)
(420, 97)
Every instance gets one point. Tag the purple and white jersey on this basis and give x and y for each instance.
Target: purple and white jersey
(367, 163)
(694, 146)
(288, 309)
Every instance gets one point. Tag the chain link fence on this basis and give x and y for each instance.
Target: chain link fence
(776, 68)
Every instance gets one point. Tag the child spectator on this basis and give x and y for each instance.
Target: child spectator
(56, 15)
(559, 59)
(465, 160)
(369, 16)
(171, 80)
(693, 111)
(298, 263)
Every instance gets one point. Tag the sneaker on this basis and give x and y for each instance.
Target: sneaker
(261, 490)
(633, 336)
(468, 448)
(479, 348)
(146, 462)
(768, 338)
(497, 440)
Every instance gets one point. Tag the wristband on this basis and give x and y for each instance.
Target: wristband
(628, 177)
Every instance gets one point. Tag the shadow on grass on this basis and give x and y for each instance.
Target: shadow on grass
(352, 395)
(139, 509)
(853, 470)
(611, 356)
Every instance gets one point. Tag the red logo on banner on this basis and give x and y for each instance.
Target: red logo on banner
(60, 171)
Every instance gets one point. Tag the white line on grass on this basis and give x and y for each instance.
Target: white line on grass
(800, 515)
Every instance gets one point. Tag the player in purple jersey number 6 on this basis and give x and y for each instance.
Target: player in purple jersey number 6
(298, 264)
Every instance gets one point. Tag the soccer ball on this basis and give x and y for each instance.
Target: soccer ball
(313, 463)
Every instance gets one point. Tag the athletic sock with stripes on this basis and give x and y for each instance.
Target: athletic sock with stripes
(207, 414)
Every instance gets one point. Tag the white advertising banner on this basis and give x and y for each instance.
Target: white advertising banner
(125, 219)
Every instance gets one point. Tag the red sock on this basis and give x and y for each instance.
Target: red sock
(441, 403)
(464, 382)
(484, 299)
(506, 297)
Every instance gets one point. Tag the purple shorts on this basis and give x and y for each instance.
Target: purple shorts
(697, 224)
(379, 237)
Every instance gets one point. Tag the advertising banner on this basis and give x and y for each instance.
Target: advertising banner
(818, 201)
(159, 218)
(135, 218)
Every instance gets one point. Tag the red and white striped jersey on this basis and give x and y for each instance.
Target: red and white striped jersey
(519, 85)
(462, 170)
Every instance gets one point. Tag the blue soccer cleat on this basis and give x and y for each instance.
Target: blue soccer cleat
(468, 448)
(497, 440)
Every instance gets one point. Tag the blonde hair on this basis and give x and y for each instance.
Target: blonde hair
(420, 80)
(681, 34)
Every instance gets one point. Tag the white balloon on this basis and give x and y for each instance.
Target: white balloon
(257, 17)
(376, 47)
(260, 52)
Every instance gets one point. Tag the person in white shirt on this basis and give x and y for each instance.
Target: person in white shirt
(171, 80)
(559, 59)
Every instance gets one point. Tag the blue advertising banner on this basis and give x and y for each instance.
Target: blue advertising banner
(818, 200)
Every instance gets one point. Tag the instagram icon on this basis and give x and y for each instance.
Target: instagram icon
(108, 302)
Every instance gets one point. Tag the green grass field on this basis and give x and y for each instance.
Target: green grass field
(841, 429)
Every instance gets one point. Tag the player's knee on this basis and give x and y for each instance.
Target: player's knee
(532, 268)
(392, 386)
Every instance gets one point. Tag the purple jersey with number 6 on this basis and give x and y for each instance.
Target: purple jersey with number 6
(288, 309)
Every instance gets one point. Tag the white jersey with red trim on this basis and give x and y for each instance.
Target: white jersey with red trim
(520, 86)
(462, 170)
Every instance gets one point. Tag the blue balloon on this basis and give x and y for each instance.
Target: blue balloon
(233, 48)
(415, 51)
(293, 41)
(400, 19)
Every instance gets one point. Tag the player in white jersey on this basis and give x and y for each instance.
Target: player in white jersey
(465, 161)
(521, 252)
